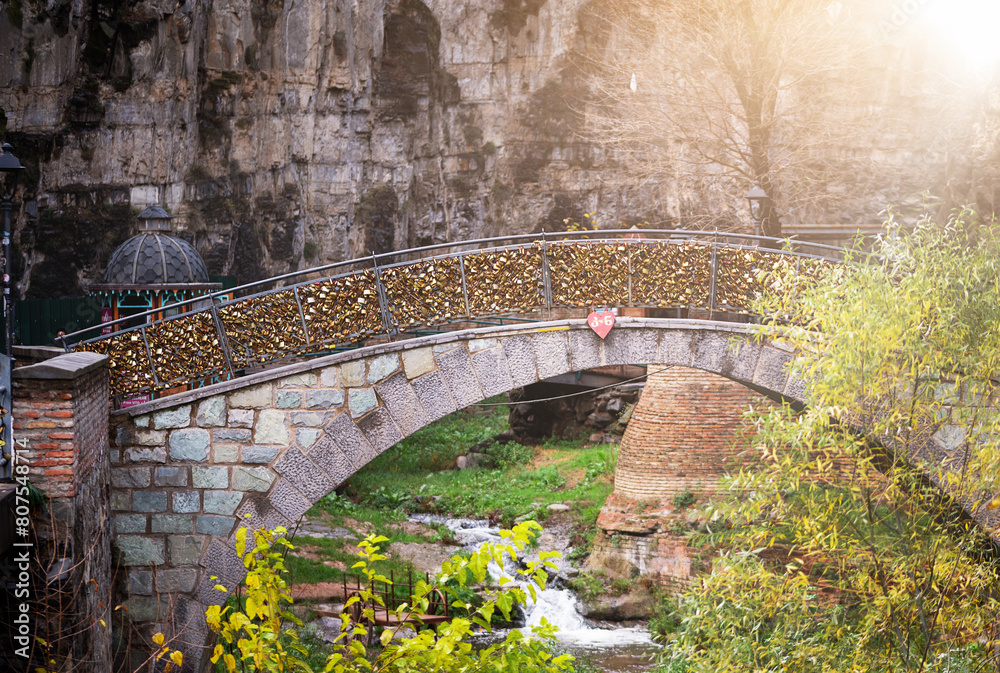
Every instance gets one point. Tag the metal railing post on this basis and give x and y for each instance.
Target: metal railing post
(465, 291)
(149, 356)
(546, 278)
(628, 257)
(712, 286)
(223, 340)
(383, 298)
(302, 316)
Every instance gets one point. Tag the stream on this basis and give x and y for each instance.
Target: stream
(614, 650)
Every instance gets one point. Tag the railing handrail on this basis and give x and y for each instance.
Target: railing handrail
(632, 236)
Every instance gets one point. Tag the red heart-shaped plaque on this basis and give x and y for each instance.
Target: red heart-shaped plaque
(601, 322)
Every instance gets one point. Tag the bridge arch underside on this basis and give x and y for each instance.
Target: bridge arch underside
(263, 449)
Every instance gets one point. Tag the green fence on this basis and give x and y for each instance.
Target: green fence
(37, 321)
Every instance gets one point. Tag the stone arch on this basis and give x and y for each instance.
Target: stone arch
(261, 450)
(470, 367)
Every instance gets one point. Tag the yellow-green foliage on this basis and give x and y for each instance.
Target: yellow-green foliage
(262, 640)
(840, 552)
(256, 638)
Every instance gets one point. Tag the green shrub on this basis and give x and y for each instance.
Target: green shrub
(258, 631)
(337, 504)
(385, 497)
(588, 586)
(683, 499)
(507, 455)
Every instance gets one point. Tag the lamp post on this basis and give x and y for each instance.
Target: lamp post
(8, 164)
(757, 196)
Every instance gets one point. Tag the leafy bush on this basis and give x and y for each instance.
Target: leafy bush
(259, 632)
(255, 633)
(588, 585)
(337, 504)
(854, 552)
(683, 499)
(390, 498)
(507, 455)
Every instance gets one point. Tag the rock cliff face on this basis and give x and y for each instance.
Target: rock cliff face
(285, 134)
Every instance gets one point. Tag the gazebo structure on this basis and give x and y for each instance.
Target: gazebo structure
(152, 270)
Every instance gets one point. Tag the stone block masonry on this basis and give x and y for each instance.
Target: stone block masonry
(61, 428)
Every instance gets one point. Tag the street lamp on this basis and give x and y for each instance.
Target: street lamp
(8, 164)
(757, 196)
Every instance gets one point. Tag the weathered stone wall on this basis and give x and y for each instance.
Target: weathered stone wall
(657, 551)
(284, 135)
(61, 419)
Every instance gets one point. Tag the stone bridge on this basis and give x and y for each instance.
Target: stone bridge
(262, 449)
(259, 451)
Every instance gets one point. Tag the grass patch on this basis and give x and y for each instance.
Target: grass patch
(590, 585)
(419, 475)
(438, 445)
(501, 495)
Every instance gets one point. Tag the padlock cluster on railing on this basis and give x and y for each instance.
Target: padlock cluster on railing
(221, 335)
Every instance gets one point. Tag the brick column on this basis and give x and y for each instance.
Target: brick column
(685, 433)
(61, 428)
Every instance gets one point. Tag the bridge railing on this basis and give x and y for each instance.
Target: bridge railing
(316, 310)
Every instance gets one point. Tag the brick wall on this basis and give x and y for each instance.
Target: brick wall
(684, 434)
(61, 429)
(43, 413)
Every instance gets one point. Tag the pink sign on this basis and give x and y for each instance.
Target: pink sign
(107, 315)
(132, 401)
(601, 322)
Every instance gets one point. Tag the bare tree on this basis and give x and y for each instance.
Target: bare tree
(720, 95)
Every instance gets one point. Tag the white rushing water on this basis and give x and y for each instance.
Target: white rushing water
(557, 606)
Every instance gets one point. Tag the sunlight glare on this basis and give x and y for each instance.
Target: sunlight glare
(972, 26)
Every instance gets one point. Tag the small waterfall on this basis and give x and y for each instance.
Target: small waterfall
(557, 606)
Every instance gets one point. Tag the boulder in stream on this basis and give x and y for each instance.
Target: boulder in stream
(636, 604)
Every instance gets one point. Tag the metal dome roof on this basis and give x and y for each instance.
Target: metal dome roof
(155, 259)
